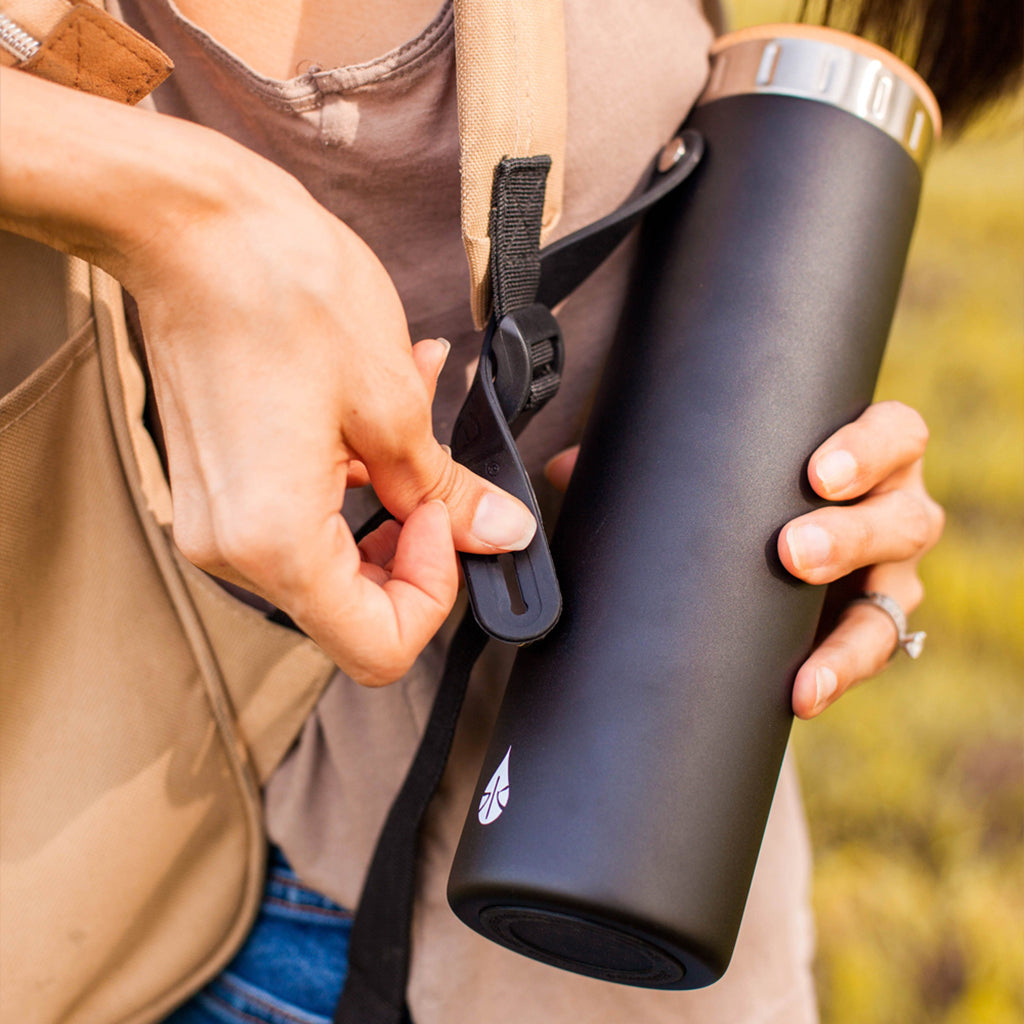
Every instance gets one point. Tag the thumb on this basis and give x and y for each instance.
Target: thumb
(484, 518)
(430, 355)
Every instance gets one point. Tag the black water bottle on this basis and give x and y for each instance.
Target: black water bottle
(628, 781)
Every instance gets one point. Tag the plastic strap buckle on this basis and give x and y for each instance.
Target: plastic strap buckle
(515, 597)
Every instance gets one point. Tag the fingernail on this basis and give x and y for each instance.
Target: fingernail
(825, 682)
(836, 470)
(447, 346)
(447, 349)
(502, 522)
(809, 546)
(447, 449)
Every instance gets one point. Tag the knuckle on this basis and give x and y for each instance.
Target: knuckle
(865, 645)
(936, 519)
(381, 669)
(450, 485)
(914, 426)
(916, 520)
(914, 594)
(389, 428)
(862, 535)
(896, 419)
(253, 541)
(440, 479)
(195, 544)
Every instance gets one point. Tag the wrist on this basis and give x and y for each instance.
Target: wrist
(112, 184)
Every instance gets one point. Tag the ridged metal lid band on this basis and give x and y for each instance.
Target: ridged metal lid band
(830, 67)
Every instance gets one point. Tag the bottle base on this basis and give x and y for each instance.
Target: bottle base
(586, 946)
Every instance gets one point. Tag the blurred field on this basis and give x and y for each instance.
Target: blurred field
(915, 783)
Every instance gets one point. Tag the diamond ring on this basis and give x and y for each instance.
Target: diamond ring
(912, 643)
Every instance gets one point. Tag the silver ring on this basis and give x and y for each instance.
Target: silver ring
(912, 643)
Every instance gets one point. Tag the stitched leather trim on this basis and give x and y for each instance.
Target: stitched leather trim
(92, 51)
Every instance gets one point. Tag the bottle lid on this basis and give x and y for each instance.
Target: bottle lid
(828, 66)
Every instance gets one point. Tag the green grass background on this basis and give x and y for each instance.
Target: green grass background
(914, 782)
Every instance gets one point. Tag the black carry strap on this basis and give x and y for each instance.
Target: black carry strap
(514, 381)
(378, 968)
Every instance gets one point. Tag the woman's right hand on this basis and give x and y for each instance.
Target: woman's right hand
(283, 373)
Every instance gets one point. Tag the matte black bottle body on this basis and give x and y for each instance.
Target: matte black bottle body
(645, 734)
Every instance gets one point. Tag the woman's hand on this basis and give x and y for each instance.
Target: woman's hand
(283, 374)
(282, 368)
(873, 544)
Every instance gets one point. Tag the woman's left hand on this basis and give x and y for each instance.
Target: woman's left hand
(872, 544)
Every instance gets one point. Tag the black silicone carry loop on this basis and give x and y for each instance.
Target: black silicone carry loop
(521, 356)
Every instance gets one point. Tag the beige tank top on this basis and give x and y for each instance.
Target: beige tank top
(377, 144)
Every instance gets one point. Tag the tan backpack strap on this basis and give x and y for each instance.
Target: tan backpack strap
(510, 64)
(76, 43)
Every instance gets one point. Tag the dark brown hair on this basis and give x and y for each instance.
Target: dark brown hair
(969, 51)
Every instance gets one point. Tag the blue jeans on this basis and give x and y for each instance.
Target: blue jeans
(292, 966)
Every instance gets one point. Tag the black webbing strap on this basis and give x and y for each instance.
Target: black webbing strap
(517, 206)
(378, 969)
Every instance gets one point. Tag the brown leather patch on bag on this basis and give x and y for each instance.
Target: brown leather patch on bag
(91, 51)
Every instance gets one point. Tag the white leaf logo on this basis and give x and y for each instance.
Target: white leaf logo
(495, 798)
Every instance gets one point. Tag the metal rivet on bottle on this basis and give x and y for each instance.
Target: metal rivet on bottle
(673, 152)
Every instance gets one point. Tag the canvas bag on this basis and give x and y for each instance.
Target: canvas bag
(141, 707)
